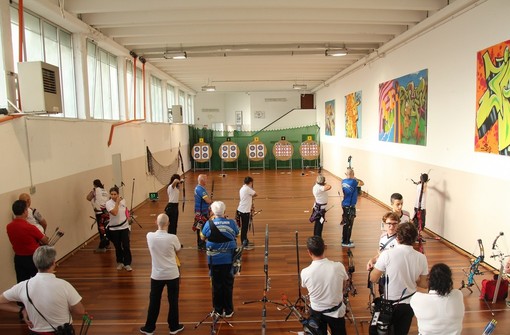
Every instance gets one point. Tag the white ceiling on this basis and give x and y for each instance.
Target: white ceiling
(258, 45)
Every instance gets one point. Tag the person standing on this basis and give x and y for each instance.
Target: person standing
(119, 229)
(172, 208)
(320, 192)
(350, 190)
(202, 202)
(163, 248)
(325, 281)
(98, 198)
(388, 239)
(420, 211)
(447, 313)
(55, 298)
(405, 270)
(245, 209)
(34, 216)
(397, 202)
(25, 239)
(221, 234)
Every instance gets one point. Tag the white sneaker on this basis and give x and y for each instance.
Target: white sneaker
(120, 266)
(128, 268)
(181, 328)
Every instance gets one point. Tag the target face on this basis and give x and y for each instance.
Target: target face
(201, 152)
(256, 151)
(229, 151)
(309, 150)
(283, 150)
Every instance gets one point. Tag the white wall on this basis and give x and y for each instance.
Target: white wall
(65, 157)
(469, 191)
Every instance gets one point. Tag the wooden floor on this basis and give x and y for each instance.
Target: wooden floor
(118, 300)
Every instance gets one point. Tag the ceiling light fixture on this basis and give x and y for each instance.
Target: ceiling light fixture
(208, 88)
(299, 86)
(336, 52)
(175, 55)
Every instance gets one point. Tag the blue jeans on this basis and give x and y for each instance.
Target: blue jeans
(172, 288)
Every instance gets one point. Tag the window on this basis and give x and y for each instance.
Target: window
(170, 101)
(3, 88)
(158, 112)
(51, 44)
(103, 83)
(189, 110)
(139, 92)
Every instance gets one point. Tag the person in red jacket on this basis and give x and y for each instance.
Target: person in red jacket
(25, 239)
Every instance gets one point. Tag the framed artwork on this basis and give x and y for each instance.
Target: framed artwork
(330, 118)
(353, 115)
(492, 133)
(403, 109)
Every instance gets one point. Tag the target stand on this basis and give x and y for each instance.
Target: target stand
(256, 152)
(229, 153)
(309, 151)
(201, 153)
(283, 151)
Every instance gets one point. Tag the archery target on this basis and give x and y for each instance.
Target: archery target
(201, 152)
(229, 151)
(256, 151)
(283, 150)
(309, 150)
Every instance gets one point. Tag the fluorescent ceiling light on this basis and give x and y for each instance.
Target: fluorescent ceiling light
(299, 86)
(175, 55)
(336, 52)
(208, 88)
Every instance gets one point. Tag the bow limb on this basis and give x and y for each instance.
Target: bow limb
(183, 183)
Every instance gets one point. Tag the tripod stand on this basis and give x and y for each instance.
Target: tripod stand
(267, 286)
(132, 217)
(300, 303)
(215, 318)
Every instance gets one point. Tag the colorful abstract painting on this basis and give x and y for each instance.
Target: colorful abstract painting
(353, 115)
(492, 133)
(330, 117)
(403, 109)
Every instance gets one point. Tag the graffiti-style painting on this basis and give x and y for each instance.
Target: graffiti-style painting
(353, 115)
(492, 132)
(330, 118)
(403, 109)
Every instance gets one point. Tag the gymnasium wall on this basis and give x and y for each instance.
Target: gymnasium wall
(468, 191)
(64, 157)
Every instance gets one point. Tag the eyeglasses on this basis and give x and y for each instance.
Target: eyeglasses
(392, 223)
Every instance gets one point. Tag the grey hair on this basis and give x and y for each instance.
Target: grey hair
(321, 180)
(44, 257)
(162, 220)
(218, 208)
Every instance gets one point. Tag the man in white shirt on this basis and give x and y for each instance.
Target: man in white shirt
(55, 298)
(165, 272)
(172, 208)
(245, 208)
(325, 281)
(320, 192)
(405, 270)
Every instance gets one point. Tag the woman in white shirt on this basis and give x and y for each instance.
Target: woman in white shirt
(119, 229)
(441, 310)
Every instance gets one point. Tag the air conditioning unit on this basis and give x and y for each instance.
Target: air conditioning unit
(177, 113)
(39, 86)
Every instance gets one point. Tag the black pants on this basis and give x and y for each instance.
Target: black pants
(172, 210)
(336, 325)
(400, 321)
(120, 239)
(24, 267)
(245, 222)
(349, 213)
(223, 288)
(172, 288)
(103, 240)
